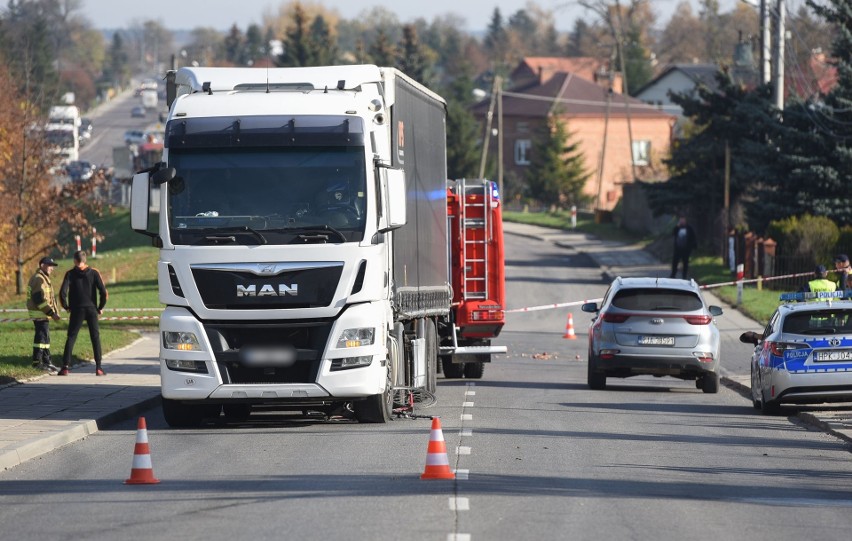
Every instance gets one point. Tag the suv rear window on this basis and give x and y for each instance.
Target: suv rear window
(656, 299)
(818, 322)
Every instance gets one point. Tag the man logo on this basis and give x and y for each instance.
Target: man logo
(267, 290)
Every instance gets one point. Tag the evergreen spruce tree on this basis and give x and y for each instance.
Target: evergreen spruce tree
(297, 46)
(233, 45)
(382, 51)
(412, 60)
(253, 46)
(557, 173)
(322, 43)
(463, 154)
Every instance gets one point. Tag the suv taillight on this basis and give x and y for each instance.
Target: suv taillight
(698, 320)
(614, 318)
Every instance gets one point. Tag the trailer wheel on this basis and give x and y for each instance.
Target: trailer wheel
(451, 370)
(474, 370)
(179, 415)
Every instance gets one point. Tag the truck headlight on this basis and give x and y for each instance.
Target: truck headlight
(181, 341)
(353, 338)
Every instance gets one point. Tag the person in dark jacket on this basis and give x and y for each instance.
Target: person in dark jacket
(684, 242)
(84, 294)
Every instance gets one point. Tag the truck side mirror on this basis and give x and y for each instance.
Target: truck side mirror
(395, 196)
(140, 203)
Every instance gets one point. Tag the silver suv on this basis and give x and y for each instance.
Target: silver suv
(655, 326)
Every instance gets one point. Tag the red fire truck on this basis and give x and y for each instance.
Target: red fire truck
(475, 231)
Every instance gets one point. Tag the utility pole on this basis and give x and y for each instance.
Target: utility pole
(486, 141)
(778, 67)
(765, 42)
(500, 137)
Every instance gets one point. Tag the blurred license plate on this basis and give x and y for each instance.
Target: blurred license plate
(261, 356)
(656, 340)
(833, 355)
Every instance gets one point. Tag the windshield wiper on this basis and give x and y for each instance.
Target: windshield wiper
(312, 233)
(235, 229)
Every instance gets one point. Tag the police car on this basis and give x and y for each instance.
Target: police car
(804, 356)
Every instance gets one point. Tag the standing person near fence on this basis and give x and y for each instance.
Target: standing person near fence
(84, 294)
(820, 282)
(41, 304)
(843, 272)
(684, 242)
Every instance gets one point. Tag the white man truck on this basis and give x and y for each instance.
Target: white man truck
(62, 129)
(303, 241)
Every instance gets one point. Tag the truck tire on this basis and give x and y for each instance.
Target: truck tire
(375, 409)
(474, 370)
(179, 415)
(378, 408)
(451, 370)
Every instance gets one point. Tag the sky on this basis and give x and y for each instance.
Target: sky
(221, 14)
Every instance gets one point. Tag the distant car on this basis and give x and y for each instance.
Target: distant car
(654, 326)
(137, 112)
(134, 137)
(804, 355)
(80, 170)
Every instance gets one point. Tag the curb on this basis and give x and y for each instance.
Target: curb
(42, 445)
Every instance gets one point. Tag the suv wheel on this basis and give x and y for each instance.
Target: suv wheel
(710, 383)
(595, 380)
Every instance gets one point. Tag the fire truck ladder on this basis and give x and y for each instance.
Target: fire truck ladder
(475, 234)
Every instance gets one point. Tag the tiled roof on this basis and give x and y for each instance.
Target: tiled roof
(579, 98)
(548, 66)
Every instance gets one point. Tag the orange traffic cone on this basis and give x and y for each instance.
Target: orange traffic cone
(569, 328)
(142, 472)
(437, 463)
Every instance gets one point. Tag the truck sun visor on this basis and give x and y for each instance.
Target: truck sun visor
(265, 131)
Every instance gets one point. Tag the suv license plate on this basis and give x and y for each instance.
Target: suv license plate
(656, 340)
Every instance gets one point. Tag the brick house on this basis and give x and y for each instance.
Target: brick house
(541, 87)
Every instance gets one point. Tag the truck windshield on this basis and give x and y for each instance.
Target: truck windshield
(303, 194)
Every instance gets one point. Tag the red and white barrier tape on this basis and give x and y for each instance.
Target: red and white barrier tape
(10, 310)
(708, 286)
(111, 318)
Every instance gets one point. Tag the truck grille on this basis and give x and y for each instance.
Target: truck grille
(307, 338)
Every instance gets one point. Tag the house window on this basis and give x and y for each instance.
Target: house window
(523, 127)
(522, 151)
(641, 152)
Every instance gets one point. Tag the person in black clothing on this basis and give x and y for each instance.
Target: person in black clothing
(84, 294)
(684, 243)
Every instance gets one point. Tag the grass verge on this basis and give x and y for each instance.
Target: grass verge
(129, 268)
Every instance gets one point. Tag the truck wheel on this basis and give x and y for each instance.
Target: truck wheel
(710, 383)
(179, 415)
(451, 370)
(595, 380)
(474, 370)
(375, 409)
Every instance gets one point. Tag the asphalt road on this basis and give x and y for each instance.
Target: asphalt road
(537, 453)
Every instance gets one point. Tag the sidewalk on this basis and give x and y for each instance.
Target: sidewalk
(48, 412)
(45, 413)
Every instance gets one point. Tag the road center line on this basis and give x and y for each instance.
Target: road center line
(459, 504)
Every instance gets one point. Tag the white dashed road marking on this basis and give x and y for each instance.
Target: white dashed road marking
(459, 504)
